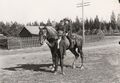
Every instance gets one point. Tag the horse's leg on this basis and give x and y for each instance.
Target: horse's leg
(61, 65)
(56, 64)
(82, 56)
(76, 56)
(53, 59)
(61, 62)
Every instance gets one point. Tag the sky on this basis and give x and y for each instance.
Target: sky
(24, 11)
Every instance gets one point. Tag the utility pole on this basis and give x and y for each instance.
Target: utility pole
(83, 4)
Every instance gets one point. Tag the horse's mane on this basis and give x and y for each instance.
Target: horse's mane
(52, 32)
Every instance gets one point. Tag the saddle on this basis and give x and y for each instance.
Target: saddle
(71, 40)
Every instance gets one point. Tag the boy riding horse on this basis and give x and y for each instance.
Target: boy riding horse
(61, 39)
(66, 27)
(61, 45)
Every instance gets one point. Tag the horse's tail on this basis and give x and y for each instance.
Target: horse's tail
(81, 42)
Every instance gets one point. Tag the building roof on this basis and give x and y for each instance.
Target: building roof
(33, 29)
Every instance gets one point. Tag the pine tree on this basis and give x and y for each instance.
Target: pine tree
(118, 22)
(113, 21)
(49, 22)
(96, 23)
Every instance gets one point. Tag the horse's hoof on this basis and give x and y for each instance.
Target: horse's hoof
(51, 66)
(55, 73)
(52, 69)
(82, 67)
(63, 73)
(73, 66)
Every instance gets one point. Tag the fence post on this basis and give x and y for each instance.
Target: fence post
(8, 43)
(20, 42)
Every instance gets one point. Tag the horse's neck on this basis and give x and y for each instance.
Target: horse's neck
(51, 42)
(52, 38)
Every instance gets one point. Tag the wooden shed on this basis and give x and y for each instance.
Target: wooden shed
(29, 31)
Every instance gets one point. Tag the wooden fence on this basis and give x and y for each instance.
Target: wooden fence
(18, 43)
(26, 42)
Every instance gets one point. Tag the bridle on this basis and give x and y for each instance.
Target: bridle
(43, 36)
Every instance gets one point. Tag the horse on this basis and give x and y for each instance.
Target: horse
(50, 35)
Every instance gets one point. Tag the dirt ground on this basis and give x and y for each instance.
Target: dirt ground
(31, 65)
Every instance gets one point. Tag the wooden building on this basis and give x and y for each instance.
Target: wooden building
(29, 31)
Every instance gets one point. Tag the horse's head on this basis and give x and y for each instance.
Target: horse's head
(49, 33)
(42, 35)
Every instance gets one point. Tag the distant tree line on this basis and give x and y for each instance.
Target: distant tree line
(10, 28)
(92, 26)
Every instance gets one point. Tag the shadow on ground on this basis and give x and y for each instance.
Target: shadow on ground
(33, 67)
